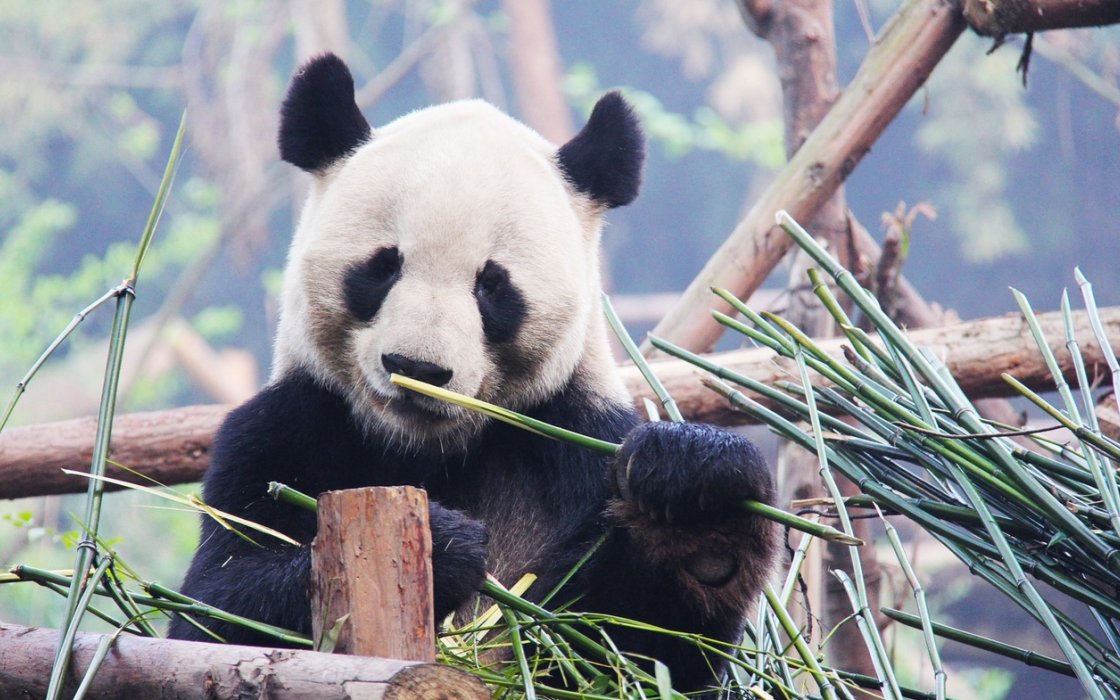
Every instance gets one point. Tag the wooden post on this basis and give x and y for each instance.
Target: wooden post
(372, 561)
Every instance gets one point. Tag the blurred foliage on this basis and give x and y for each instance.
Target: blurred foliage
(979, 121)
(759, 143)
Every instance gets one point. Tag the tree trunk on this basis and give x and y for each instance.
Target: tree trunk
(537, 70)
(140, 667)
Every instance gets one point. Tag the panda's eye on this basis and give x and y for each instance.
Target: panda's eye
(499, 302)
(491, 279)
(368, 283)
(384, 266)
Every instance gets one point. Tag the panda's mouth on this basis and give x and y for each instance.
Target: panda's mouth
(415, 406)
(411, 408)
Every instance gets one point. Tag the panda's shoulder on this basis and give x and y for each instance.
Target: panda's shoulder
(582, 408)
(289, 425)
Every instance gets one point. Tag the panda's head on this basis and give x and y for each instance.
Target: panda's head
(454, 245)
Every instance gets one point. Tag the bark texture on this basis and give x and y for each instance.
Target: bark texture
(371, 561)
(998, 18)
(162, 668)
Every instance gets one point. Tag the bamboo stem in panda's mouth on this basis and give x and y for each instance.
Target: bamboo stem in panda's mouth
(548, 430)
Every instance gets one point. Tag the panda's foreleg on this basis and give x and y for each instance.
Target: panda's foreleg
(267, 584)
(458, 558)
(683, 555)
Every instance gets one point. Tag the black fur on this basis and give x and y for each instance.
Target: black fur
(543, 503)
(367, 284)
(500, 303)
(604, 160)
(417, 369)
(319, 120)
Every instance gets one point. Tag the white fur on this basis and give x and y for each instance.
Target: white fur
(452, 186)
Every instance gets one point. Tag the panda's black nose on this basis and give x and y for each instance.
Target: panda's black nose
(426, 372)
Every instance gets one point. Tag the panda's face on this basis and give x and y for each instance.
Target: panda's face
(454, 245)
(451, 249)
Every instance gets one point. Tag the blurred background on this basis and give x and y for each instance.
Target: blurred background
(1024, 181)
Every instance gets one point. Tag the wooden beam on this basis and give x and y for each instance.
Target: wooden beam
(173, 445)
(141, 667)
(904, 54)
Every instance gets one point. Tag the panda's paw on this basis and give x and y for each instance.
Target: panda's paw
(458, 557)
(689, 473)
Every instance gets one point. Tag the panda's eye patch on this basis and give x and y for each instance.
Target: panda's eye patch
(499, 302)
(368, 283)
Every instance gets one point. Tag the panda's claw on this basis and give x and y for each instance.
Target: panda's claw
(681, 473)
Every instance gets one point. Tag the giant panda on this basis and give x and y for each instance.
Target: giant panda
(458, 247)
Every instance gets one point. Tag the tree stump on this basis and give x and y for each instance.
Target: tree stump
(372, 562)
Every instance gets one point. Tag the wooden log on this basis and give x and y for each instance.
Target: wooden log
(977, 354)
(173, 445)
(371, 561)
(904, 54)
(139, 667)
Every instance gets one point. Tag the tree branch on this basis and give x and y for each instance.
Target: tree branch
(898, 64)
(998, 18)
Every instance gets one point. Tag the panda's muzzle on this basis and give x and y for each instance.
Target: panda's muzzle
(427, 372)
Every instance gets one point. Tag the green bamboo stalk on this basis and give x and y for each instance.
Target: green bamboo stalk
(1100, 442)
(1001, 456)
(87, 547)
(866, 485)
(1105, 482)
(519, 654)
(1026, 656)
(64, 590)
(859, 602)
(126, 604)
(834, 309)
(920, 600)
(99, 654)
(1023, 584)
(752, 316)
(58, 671)
(794, 570)
(880, 660)
(824, 684)
(506, 416)
(21, 385)
(640, 362)
(1098, 332)
(170, 601)
(551, 431)
(286, 494)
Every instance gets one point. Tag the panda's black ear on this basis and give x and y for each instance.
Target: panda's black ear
(604, 160)
(319, 120)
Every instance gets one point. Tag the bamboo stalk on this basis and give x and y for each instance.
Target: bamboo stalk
(557, 433)
(1028, 657)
